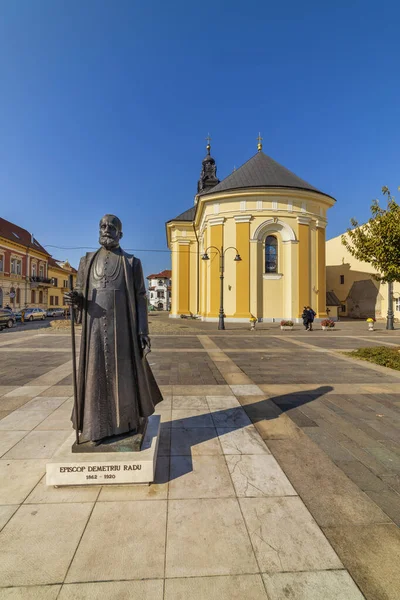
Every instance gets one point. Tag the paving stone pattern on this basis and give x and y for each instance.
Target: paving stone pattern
(277, 477)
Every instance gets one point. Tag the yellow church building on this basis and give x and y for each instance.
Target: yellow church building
(274, 221)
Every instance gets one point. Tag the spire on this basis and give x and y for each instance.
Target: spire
(208, 176)
(259, 140)
(208, 147)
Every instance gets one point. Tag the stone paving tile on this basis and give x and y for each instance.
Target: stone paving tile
(372, 555)
(201, 390)
(164, 443)
(329, 495)
(172, 342)
(59, 390)
(6, 512)
(18, 478)
(38, 543)
(246, 440)
(192, 441)
(20, 368)
(4, 414)
(37, 444)
(365, 458)
(195, 402)
(361, 475)
(234, 587)
(258, 475)
(8, 439)
(59, 420)
(5, 389)
(139, 528)
(191, 418)
(13, 403)
(27, 391)
(156, 491)
(150, 589)
(37, 592)
(46, 402)
(199, 476)
(329, 585)
(393, 481)
(20, 420)
(48, 494)
(389, 459)
(230, 417)
(389, 501)
(216, 403)
(244, 342)
(285, 537)
(223, 548)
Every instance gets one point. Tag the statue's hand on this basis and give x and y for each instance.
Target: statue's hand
(145, 343)
(73, 298)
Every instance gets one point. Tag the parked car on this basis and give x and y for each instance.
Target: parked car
(55, 311)
(17, 315)
(7, 318)
(34, 313)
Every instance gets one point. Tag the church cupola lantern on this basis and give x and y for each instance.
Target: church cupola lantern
(208, 176)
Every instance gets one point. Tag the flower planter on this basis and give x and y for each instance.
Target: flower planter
(286, 327)
(325, 328)
(370, 327)
(252, 325)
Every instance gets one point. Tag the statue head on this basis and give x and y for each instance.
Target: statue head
(110, 231)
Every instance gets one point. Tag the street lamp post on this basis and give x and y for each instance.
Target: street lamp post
(221, 252)
(390, 314)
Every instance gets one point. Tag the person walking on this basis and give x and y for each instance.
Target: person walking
(311, 316)
(306, 318)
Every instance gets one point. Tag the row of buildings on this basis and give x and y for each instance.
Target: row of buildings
(29, 275)
(276, 222)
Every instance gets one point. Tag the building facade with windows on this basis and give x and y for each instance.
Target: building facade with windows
(354, 283)
(24, 279)
(274, 220)
(59, 273)
(159, 290)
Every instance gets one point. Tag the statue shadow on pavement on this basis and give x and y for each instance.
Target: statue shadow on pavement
(230, 419)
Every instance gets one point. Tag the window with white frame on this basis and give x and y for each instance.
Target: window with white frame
(41, 270)
(34, 269)
(16, 266)
(1, 263)
(397, 304)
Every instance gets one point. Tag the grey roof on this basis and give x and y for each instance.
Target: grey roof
(332, 299)
(261, 171)
(188, 215)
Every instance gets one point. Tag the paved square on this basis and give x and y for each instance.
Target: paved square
(278, 474)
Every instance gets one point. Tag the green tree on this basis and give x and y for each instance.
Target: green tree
(377, 242)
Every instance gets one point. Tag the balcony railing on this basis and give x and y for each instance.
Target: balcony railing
(40, 280)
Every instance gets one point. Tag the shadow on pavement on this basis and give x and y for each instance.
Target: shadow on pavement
(207, 426)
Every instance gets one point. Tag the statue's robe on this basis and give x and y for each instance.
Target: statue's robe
(115, 383)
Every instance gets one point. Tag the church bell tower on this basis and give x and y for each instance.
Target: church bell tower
(208, 176)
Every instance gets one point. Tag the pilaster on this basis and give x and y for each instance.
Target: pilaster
(303, 263)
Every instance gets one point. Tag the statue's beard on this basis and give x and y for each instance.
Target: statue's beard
(108, 242)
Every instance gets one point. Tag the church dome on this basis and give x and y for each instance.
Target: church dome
(261, 171)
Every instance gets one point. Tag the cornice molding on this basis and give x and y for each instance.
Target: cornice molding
(216, 221)
(303, 220)
(243, 218)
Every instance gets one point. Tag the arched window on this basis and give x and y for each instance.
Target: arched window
(271, 254)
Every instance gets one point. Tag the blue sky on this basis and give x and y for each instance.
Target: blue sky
(104, 107)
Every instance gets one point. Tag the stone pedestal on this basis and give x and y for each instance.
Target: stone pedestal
(103, 468)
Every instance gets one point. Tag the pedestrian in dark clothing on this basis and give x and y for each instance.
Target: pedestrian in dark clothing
(311, 317)
(306, 318)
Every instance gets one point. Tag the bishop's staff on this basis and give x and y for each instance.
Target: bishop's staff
(72, 307)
